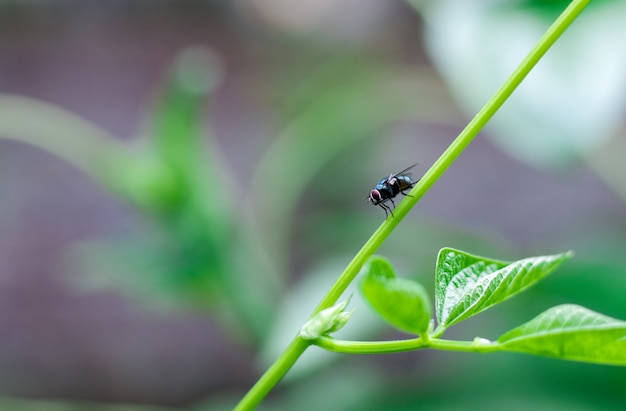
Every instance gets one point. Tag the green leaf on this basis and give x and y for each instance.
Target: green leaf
(467, 284)
(401, 302)
(571, 332)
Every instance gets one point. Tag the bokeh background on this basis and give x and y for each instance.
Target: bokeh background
(181, 182)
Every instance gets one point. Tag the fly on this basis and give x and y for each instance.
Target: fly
(389, 187)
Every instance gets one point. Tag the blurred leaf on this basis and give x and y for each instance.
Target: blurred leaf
(200, 223)
(550, 9)
(17, 404)
(466, 284)
(178, 119)
(403, 303)
(571, 332)
(173, 168)
(145, 269)
(568, 106)
(489, 391)
(66, 135)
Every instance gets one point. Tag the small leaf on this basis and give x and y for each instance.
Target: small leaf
(571, 332)
(401, 302)
(466, 284)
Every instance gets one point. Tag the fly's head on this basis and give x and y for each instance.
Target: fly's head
(374, 198)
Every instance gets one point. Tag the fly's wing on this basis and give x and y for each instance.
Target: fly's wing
(404, 172)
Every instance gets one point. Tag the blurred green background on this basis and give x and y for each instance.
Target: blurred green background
(182, 181)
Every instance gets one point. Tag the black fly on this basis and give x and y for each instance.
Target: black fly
(389, 187)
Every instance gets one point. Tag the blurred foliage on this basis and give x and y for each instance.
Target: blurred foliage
(569, 106)
(195, 256)
(550, 9)
(14, 404)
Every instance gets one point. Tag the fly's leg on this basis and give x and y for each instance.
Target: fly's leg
(394, 206)
(412, 185)
(387, 210)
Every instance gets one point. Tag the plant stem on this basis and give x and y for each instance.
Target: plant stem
(274, 374)
(369, 347)
(297, 347)
(381, 347)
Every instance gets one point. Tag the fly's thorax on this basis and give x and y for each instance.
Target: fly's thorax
(382, 184)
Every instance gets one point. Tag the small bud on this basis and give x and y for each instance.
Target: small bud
(481, 341)
(326, 321)
(340, 321)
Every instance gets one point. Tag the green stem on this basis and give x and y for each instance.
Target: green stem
(273, 375)
(438, 332)
(297, 347)
(369, 347)
(382, 347)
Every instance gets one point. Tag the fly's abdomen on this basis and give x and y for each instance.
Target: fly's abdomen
(404, 183)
